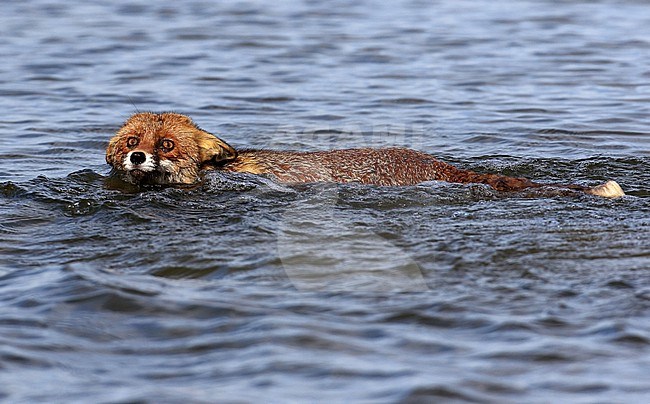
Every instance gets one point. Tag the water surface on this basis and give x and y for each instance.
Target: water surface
(243, 289)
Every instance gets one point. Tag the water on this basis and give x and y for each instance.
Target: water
(247, 290)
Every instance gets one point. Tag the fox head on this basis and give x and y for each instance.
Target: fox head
(166, 148)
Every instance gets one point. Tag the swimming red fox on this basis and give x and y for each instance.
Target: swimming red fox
(168, 148)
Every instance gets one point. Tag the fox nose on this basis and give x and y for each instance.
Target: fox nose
(138, 158)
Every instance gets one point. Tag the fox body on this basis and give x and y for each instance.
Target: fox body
(168, 148)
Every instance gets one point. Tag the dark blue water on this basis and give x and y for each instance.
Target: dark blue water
(247, 290)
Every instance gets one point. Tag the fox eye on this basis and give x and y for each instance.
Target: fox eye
(166, 145)
(132, 141)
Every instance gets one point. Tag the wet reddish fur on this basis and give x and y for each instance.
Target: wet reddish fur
(197, 149)
(389, 166)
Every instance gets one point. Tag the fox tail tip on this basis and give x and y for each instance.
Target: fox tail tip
(610, 189)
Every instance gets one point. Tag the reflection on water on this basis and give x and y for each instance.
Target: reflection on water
(244, 289)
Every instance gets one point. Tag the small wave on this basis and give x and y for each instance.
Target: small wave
(10, 190)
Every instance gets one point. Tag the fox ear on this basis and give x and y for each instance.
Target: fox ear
(110, 151)
(212, 149)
